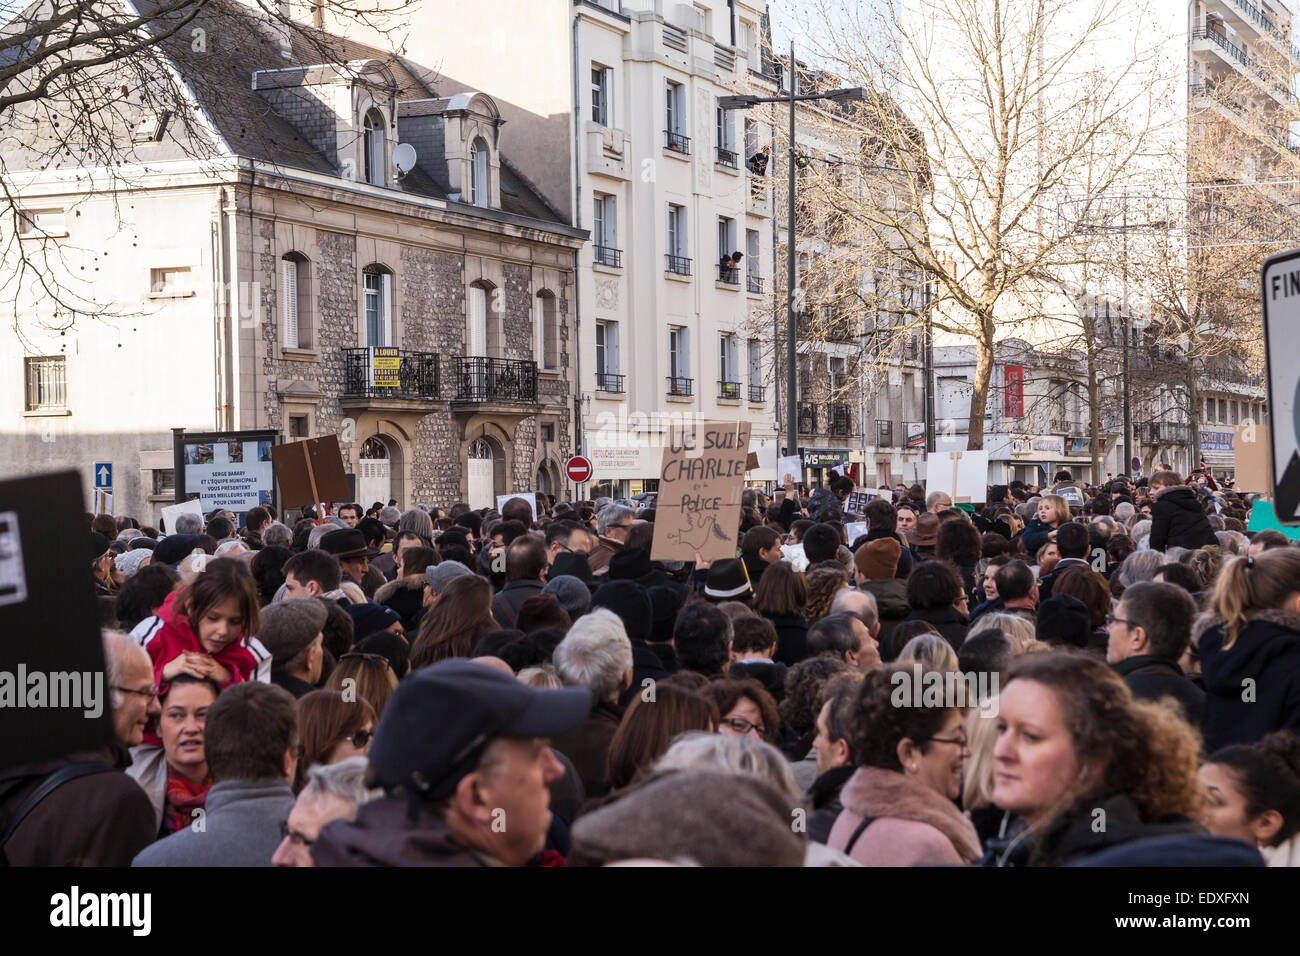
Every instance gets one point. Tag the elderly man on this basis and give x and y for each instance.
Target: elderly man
(251, 744)
(834, 757)
(595, 654)
(91, 813)
(462, 753)
(612, 524)
(187, 524)
(937, 501)
(1146, 636)
(332, 792)
(846, 637)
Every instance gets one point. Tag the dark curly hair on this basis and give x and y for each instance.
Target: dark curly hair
(1268, 773)
(725, 692)
(933, 584)
(803, 690)
(876, 725)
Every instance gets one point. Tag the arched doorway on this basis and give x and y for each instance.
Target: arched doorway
(482, 460)
(374, 473)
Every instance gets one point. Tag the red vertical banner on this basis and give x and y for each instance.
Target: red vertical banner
(1013, 391)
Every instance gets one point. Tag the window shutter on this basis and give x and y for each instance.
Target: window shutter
(386, 307)
(289, 302)
(611, 346)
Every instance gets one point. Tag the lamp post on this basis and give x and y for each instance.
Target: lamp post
(749, 102)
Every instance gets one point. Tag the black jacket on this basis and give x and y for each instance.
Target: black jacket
(948, 621)
(667, 655)
(1267, 654)
(1046, 584)
(791, 638)
(891, 602)
(1179, 521)
(824, 800)
(906, 561)
(1150, 678)
(508, 601)
(770, 675)
(645, 666)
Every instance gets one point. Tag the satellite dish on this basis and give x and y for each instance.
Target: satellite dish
(403, 158)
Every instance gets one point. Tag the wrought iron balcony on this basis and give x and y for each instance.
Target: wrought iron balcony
(609, 382)
(679, 386)
(677, 142)
(480, 379)
(1169, 433)
(756, 393)
(841, 422)
(678, 265)
(884, 434)
(807, 416)
(753, 283)
(729, 390)
(608, 256)
(728, 158)
(416, 374)
(729, 274)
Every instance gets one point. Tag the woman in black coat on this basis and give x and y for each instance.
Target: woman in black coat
(961, 546)
(781, 597)
(937, 597)
(1178, 519)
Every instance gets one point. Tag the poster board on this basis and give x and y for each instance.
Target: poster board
(962, 475)
(791, 465)
(386, 365)
(229, 470)
(1264, 518)
(172, 512)
(310, 472)
(628, 462)
(54, 693)
(856, 502)
(1251, 458)
(854, 530)
(531, 498)
(1279, 284)
(700, 483)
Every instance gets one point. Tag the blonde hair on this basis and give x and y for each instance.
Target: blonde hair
(1019, 629)
(698, 750)
(543, 676)
(982, 734)
(1254, 584)
(1060, 507)
(1206, 562)
(931, 651)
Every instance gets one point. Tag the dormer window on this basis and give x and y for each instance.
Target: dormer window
(372, 148)
(478, 171)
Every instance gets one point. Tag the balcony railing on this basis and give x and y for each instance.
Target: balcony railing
(609, 382)
(884, 434)
(679, 386)
(609, 256)
(678, 265)
(914, 434)
(807, 416)
(677, 142)
(729, 274)
(756, 393)
(417, 374)
(841, 422)
(729, 390)
(753, 283)
(1067, 427)
(1169, 433)
(728, 158)
(481, 379)
(1226, 45)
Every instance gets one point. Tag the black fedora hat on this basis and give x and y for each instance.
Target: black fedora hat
(347, 543)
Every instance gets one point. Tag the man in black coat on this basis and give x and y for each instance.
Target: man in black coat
(1149, 631)
(1072, 541)
(882, 522)
(1177, 517)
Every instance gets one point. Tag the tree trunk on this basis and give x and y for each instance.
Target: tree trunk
(1193, 414)
(979, 396)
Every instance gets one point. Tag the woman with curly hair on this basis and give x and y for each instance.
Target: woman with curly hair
(823, 581)
(1073, 748)
(1206, 563)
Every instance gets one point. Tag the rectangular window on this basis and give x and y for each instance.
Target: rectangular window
(751, 253)
(47, 383)
(679, 363)
(603, 230)
(674, 121)
(37, 223)
(164, 481)
(723, 131)
(1234, 407)
(600, 77)
(728, 358)
(170, 282)
(726, 237)
(678, 250)
(289, 302)
(1223, 411)
(548, 432)
(755, 362)
(745, 42)
(606, 348)
(837, 375)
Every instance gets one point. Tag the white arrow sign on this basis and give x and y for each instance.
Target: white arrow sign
(103, 474)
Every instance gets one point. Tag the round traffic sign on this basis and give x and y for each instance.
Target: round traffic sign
(578, 468)
(1137, 464)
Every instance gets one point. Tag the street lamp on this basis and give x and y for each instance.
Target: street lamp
(745, 102)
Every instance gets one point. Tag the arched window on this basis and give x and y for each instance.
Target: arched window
(478, 173)
(372, 147)
(548, 331)
(377, 305)
(295, 301)
(544, 481)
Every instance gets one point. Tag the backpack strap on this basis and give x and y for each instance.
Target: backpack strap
(866, 822)
(51, 783)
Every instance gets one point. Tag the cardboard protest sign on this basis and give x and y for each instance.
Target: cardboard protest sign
(751, 461)
(310, 472)
(962, 475)
(530, 498)
(172, 512)
(700, 482)
(1251, 460)
(53, 691)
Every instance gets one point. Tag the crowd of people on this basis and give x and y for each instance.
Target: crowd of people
(531, 688)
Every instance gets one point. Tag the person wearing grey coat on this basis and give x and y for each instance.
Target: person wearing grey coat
(240, 826)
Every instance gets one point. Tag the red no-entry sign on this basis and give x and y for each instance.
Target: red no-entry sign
(578, 468)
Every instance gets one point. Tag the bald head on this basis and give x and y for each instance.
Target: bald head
(127, 668)
(861, 604)
(495, 663)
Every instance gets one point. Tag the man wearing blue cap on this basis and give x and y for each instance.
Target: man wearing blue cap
(462, 752)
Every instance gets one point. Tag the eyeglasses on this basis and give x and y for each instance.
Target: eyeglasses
(294, 835)
(1113, 619)
(959, 740)
(741, 726)
(360, 738)
(150, 695)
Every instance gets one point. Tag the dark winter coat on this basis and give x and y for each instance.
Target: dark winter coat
(645, 666)
(891, 602)
(588, 747)
(1035, 536)
(948, 621)
(381, 835)
(791, 637)
(1179, 521)
(771, 674)
(1267, 654)
(241, 827)
(824, 506)
(824, 802)
(1150, 678)
(405, 596)
(508, 601)
(102, 819)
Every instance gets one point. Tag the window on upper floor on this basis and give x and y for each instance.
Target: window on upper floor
(601, 81)
(295, 298)
(675, 116)
(604, 230)
(42, 223)
(170, 282)
(377, 305)
(373, 154)
(47, 383)
(606, 351)
(548, 331)
(478, 173)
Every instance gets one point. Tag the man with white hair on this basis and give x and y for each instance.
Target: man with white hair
(90, 813)
(277, 535)
(595, 654)
(612, 524)
(333, 792)
(188, 524)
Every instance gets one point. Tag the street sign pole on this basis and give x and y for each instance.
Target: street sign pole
(1280, 282)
